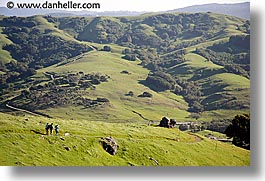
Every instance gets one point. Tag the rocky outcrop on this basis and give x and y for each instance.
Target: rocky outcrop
(66, 148)
(109, 145)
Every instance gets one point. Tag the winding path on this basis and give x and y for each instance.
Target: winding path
(139, 114)
(23, 110)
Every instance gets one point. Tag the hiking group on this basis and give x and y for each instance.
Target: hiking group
(49, 127)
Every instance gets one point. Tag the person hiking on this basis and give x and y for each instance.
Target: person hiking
(47, 128)
(51, 128)
(56, 128)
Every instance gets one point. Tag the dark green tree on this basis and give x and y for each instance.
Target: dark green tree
(239, 130)
(130, 57)
(107, 48)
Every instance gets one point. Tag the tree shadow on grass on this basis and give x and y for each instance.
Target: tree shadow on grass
(151, 86)
(37, 132)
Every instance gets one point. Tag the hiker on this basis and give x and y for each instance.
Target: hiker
(47, 128)
(56, 128)
(51, 128)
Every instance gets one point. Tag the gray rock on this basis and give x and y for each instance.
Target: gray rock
(66, 148)
(109, 145)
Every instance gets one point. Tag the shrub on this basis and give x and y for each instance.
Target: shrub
(107, 48)
(146, 94)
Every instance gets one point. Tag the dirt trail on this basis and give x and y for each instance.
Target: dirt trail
(139, 114)
(23, 110)
(197, 138)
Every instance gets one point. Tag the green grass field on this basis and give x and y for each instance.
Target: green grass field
(23, 144)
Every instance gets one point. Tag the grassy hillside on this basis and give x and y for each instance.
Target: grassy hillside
(219, 88)
(193, 65)
(118, 76)
(201, 60)
(51, 28)
(166, 42)
(23, 143)
(4, 55)
(122, 106)
(125, 108)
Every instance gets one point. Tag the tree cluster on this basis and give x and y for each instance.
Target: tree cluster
(191, 91)
(239, 130)
(69, 89)
(160, 81)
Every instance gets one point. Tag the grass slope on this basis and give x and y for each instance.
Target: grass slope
(215, 83)
(161, 104)
(122, 106)
(22, 143)
(43, 25)
(5, 56)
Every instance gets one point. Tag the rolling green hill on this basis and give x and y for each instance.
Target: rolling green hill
(184, 45)
(122, 106)
(22, 144)
(113, 76)
(4, 55)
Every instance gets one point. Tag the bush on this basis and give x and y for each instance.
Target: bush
(95, 81)
(183, 127)
(130, 93)
(146, 94)
(107, 48)
(130, 57)
(102, 100)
